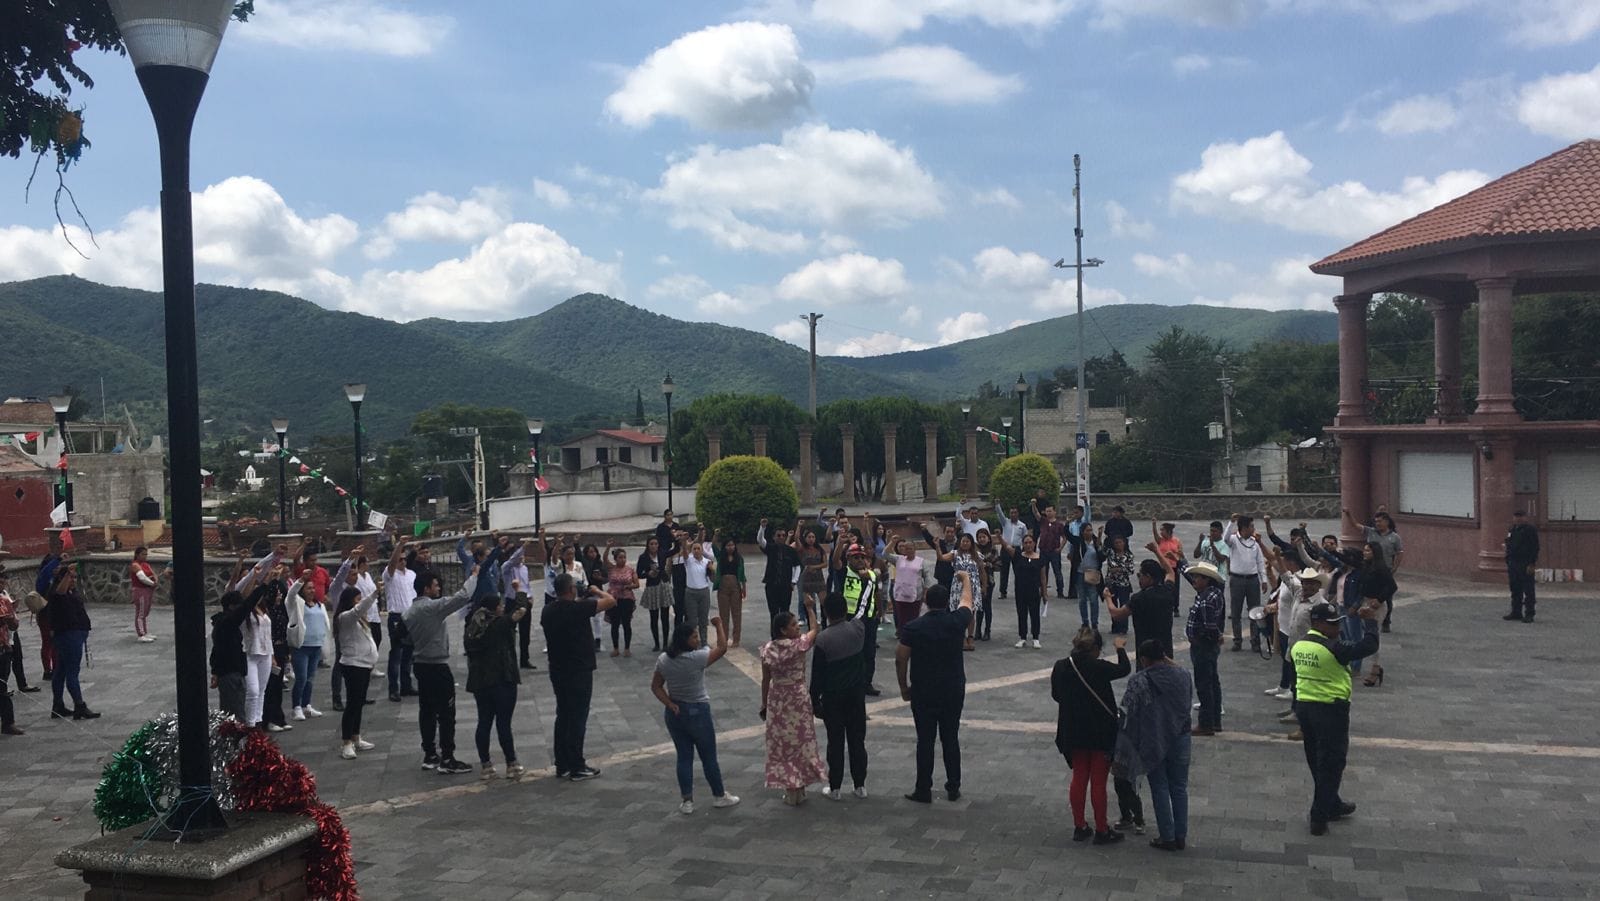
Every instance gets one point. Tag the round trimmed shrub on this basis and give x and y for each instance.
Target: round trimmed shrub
(1014, 481)
(734, 494)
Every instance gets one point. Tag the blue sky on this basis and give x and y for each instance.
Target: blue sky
(902, 166)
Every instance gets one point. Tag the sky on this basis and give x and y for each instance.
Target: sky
(903, 167)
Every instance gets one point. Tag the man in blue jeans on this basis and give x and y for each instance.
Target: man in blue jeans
(1204, 631)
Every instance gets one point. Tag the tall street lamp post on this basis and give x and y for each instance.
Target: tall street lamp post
(172, 46)
(1081, 452)
(281, 426)
(1022, 435)
(61, 404)
(356, 393)
(536, 429)
(1005, 423)
(666, 391)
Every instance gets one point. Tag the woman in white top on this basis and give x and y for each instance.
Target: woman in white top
(256, 633)
(358, 654)
(910, 582)
(699, 569)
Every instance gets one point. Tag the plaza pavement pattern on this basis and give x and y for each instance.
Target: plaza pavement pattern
(1476, 767)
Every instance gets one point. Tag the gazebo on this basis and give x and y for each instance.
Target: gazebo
(1453, 479)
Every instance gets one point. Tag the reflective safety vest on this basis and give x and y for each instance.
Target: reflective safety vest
(860, 595)
(1319, 677)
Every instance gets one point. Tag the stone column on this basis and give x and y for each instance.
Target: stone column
(891, 479)
(1494, 353)
(1496, 486)
(1447, 357)
(1352, 358)
(759, 434)
(972, 463)
(808, 494)
(713, 445)
(930, 478)
(847, 440)
(1355, 466)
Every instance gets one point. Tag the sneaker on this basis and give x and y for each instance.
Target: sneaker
(514, 771)
(274, 727)
(298, 715)
(1512, 617)
(1109, 837)
(1285, 694)
(377, 673)
(583, 774)
(1036, 644)
(726, 801)
(488, 772)
(338, 706)
(1125, 824)
(348, 752)
(394, 696)
(311, 711)
(1289, 719)
(11, 729)
(364, 745)
(1082, 833)
(1021, 643)
(860, 793)
(686, 807)
(1273, 691)
(453, 767)
(430, 761)
(833, 794)
(146, 639)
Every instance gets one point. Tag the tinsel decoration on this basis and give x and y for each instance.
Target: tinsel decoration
(141, 781)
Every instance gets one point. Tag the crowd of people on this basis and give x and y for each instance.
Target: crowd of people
(1316, 605)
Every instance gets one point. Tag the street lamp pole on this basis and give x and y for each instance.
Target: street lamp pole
(1005, 423)
(281, 426)
(667, 387)
(535, 429)
(61, 404)
(356, 393)
(172, 47)
(1022, 435)
(1081, 451)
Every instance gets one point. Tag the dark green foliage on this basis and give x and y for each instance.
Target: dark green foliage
(869, 416)
(734, 414)
(736, 493)
(1014, 481)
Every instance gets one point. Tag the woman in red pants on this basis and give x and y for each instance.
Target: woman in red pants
(1086, 728)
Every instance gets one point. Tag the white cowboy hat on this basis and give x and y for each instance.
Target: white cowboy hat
(1311, 574)
(1203, 569)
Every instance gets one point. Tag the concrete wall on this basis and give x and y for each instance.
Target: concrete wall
(25, 505)
(591, 478)
(1273, 460)
(1054, 433)
(517, 512)
(110, 486)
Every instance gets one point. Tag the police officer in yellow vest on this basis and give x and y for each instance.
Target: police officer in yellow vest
(1322, 704)
(859, 587)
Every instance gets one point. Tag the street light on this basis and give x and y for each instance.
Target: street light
(1005, 423)
(1022, 392)
(666, 391)
(356, 393)
(172, 46)
(965, 409)
(535, 429)
(281, 426)
(61, 403)
(1082, 444)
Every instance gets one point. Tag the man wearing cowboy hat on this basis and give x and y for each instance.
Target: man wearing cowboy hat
(1292, 592)
(1322, 704)
(1204, 631)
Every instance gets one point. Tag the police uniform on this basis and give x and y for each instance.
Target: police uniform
(1322, 705)
(861, 602)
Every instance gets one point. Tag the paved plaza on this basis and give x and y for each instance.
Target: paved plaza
(1476, 768)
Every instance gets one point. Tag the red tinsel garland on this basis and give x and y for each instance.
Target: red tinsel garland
(264, 779)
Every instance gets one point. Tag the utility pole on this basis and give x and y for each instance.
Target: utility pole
(478, 486)
(811, 320)
(1227, 420)
(1081, 450)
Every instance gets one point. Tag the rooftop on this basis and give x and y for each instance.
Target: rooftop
(628, 435)
(1554, 197)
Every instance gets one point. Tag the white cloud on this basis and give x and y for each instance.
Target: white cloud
(934, 73)
(1546, 23)
(911, 315)
(553, 195)
(736, 76)
(1178, 267)
(680, 286)
(999, 197)
(873, 345)
(1190, 63)
(439, 217)
(964, 326)
(888, 19)
(1118, 13)
(1029, 277)
(720, 303)
(815, 176)
(852, 278)
(793, 332)
(1415, 115)
(1562, 106)
(1124, 224)
(348, 27)
(1267, 180)
(1288, 284)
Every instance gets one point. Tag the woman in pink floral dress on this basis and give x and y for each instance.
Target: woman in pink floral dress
(792, 759)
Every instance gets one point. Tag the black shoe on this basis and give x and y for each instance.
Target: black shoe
(1108, 837)
(1160, 845)
(1082, 834)
(58, 712)
(430, 761)
(1528, 618)
(562, 774)
(583, 774)
(873, 691)
(82, 712)
(920, 797)
(28, 689)
(1319, 827)
(48, 674)
(1255, 648)
(953, 794)
(1238, 644)
(371, 701)
(453, 767)
(408, 692)
(394, 696)
(1345, 809)
(1512, 617)
(525, 665)
(1386, 628)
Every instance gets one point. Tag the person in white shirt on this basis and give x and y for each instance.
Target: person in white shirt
(1012, 528)
(358, 654)
(514, 573)
(699, 568)
(1247, 573)
(967, 519)
(399, 591)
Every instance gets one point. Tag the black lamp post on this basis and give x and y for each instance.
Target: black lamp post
(61, 403)
(1005, 423)
(535, 429)
(356, 393)
(666, 391)
(281, 426)
(172, 46)
(1022, 392)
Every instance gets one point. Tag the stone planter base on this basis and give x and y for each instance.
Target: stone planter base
(260, 856)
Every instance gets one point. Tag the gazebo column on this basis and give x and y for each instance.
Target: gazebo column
(1352, 359)
(930, 478)
(1495, 402)
(1447, 358)
(713, 445)
(891, 479)
(808, 493)
(758, 434)
(1355, 467)
(1496, 487)
(847, 437)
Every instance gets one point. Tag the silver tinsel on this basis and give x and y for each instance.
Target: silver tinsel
(163, 745)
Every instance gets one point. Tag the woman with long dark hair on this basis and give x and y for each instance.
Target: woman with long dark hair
(490, 640)
(964, 558)
(679, 684)
(1031, 572)
(1117, 573)
(1377, 588)
(731, 588)
(651, 569)
(793, 761)
(69, 631)
(813, 566)
(594, 573)
(142, 580)
(1086, 726)
(621, 580)
(989, 556)
(358, 654)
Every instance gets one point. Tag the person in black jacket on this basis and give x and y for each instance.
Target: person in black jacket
(69, 628)
(1086, 725)
(782, 558)
(839, 693)
(227, 654)
(1522, 552)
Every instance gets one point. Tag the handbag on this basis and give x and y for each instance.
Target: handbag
(35, 602)
(1114, 714)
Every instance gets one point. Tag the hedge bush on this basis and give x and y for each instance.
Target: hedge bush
(736, 492)
(1015, 480)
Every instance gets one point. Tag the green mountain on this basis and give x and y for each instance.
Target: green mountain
(266, 354)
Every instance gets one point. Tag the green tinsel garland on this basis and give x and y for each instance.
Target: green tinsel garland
(130, 784)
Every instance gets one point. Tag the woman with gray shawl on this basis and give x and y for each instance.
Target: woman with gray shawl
(1155, 740)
